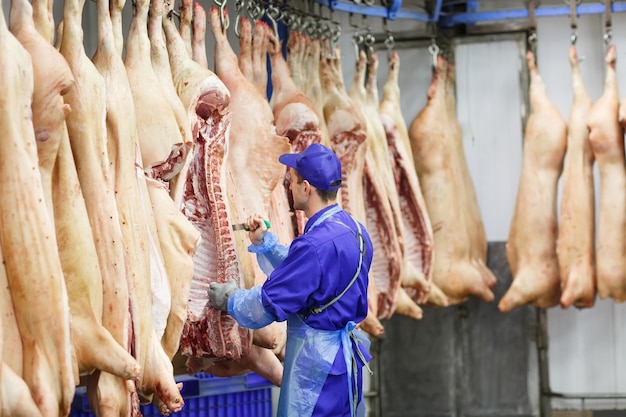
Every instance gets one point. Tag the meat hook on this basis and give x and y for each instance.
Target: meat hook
(357, 40)
(433, 49)
(224, 19)
(238, 8)
(369, 43)
(389, 40)
(273, 13)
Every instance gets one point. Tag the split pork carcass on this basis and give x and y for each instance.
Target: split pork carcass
(161, 145)
(251, 161)
(437, 155)
(209, 333)
(206, 101)
(178, 238)
(575, 243)
(106, 392)
(382, 203)
(607, 142)
(84, 208)
(35, 274)
(531, 246)
(418, 234)
(346, 129)
(73, 230)
(476, 228)
(123, 148)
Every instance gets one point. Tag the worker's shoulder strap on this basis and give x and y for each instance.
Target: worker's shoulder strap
(361, 240)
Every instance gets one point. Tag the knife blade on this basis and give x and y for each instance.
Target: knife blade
(240, 226)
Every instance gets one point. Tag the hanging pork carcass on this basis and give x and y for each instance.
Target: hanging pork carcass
(382, 204)
(607, 142)
(418, 234)
(347, 134)
(252, 158)
(476, 228)
(437, 153)
(123, 147)
(531, 246)
(208, 202)
(36, 273)
(575, 242)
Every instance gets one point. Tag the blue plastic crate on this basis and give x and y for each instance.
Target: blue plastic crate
(247, 395)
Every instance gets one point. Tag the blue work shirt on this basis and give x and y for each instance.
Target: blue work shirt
(319, 265)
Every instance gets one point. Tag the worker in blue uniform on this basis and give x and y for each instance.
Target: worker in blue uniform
(319, 285)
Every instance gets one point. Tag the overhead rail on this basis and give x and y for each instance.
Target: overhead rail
(392, 12)
(473, 16)
(470, 16)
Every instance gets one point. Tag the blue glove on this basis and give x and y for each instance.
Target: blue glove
(220, 292)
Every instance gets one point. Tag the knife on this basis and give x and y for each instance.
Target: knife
(240, 226)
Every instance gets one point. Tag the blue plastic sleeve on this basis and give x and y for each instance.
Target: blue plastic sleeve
(270, 253)
(246, 307)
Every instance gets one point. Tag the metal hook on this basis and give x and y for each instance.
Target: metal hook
(433, 49)
(273, 13)
(357, 40)
(608, 36)
(369, 43)
(224, 19)
(389, 43)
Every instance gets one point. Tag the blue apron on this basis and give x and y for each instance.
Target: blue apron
(310, 354)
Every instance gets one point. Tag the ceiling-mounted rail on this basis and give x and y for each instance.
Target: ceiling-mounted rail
(473, 16)
(392, 12)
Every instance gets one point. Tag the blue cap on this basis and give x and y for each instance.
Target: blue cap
(317, 164)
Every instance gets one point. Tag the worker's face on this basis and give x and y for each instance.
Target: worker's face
(299, 190)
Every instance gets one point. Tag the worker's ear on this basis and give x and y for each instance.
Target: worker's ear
(306, 187)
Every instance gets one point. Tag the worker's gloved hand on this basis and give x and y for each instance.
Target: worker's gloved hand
(258, 228)
(219, 293)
